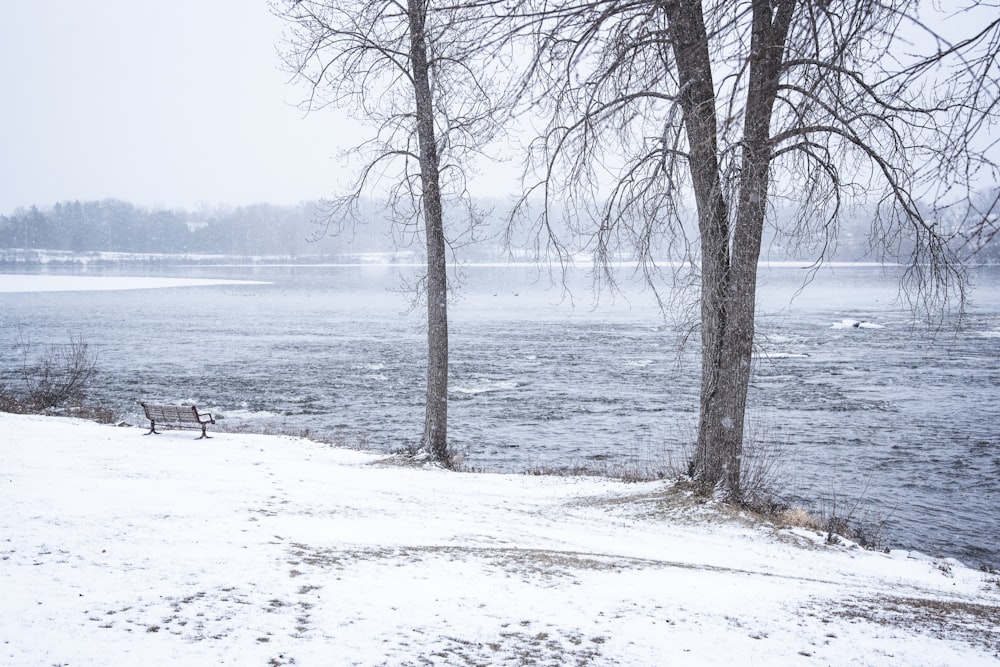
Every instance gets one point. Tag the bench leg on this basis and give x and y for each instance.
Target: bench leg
(203, 434)
(152, 428)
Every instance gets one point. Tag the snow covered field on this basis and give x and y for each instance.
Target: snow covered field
(120, 549)
(54, 283)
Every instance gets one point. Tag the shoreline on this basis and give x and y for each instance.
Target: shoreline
(849, 532)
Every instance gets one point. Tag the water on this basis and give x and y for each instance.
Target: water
(901, 420)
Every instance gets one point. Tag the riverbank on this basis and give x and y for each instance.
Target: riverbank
(265, 550)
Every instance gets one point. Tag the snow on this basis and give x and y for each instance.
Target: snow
(118, 548)
(54, 283)
(484, 386)
(856, 324)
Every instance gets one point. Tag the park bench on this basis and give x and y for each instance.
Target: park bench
(176, 416)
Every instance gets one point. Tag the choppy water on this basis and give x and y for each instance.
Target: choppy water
(905, 418)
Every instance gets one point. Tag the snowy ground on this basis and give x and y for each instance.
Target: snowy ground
(54, 283)
(120, 549)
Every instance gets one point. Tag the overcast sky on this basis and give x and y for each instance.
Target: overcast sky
(172, 103)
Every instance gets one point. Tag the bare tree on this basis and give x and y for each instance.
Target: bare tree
(407, 70)
(735, 105)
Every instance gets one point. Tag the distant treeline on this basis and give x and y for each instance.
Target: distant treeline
(115, 226)
(112, 225)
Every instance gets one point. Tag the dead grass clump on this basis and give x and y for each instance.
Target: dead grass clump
(344, 438)
(642, 461)
(798, 517)
(991, 578)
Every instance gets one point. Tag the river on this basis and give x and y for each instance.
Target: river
(891, 421)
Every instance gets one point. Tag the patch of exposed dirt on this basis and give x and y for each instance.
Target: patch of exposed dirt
(978, 624)
(526, 643)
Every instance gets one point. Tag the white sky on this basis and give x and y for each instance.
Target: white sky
(173, 103)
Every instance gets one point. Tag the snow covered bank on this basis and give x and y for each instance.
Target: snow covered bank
(118, 549)
(52, 283)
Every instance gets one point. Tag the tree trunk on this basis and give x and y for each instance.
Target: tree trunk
(729, 265)
(435, 437)
(697, 99)
(771, 20)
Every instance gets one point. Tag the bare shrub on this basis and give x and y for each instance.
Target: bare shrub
(852, 522)
(763, 464)
(763, 472)
(9, 401)
(647, 460)
(62, 375)
(57, 377)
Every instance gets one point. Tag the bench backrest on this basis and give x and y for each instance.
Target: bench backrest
(177, 413)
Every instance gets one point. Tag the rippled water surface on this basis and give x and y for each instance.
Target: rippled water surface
(903, 417)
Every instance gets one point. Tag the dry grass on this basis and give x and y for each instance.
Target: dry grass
(798, 517)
